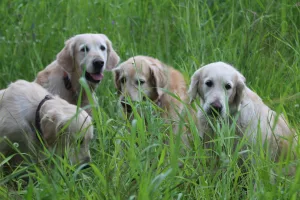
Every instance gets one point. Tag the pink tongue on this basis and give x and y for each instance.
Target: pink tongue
(97, 77)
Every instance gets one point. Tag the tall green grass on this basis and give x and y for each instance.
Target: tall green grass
(139, 159)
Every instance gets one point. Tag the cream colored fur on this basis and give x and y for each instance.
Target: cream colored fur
(142, 76)
(18, 105)
(238, 100)
(78, 59)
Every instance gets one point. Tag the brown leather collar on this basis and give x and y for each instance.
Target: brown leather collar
(67, 81)
(37, 115)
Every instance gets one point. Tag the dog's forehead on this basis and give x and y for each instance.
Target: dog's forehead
(219, 71)
(135, 67)
(90, 39)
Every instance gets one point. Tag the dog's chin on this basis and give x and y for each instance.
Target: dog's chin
(94, 77)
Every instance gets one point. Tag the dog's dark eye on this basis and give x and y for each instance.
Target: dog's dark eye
(84, 49)
(123, 80)
(102, 48)
(209, 83)
(139, 82)
(228, 86)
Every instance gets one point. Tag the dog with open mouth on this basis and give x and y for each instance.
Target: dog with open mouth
(224, 95)
(84, 55)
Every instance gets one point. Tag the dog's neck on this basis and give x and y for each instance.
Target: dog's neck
(71, 83)
(67, 82)
(158, 102)
(38, 118)
(70, 87)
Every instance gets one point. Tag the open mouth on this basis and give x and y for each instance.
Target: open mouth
(94, 77)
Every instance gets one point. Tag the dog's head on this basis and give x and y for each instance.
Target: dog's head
(220, 87)
(90, 54)
(138, 78)
(67, 129)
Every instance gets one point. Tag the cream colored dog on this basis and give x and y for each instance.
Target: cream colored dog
(86, 55)
(141, 76)
(223, 93)
(27, 109)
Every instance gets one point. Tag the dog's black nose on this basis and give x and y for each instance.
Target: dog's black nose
(216, 106)
(98, 65)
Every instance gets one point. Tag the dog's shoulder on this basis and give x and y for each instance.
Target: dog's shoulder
(253, 96)
(52, 70)
(176, 75)
(177, 82)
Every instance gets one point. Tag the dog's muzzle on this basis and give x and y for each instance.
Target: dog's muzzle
(97, 74)
(215, 108)
(98, 65)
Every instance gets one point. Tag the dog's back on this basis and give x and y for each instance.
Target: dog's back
(256, 120)
(17, 111)
(20, 105)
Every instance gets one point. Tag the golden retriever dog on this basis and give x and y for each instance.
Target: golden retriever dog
(224, 94)
(30, 116)
(143, 77)
(84, 55)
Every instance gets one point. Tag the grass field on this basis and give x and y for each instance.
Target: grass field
(259, 37)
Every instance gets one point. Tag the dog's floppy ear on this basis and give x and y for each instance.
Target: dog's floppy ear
(239, 91)
(48, 127)
(117, 73)
(112, 57)
(65, 58)
(158, 78)
(194, 86)
(54, 127)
